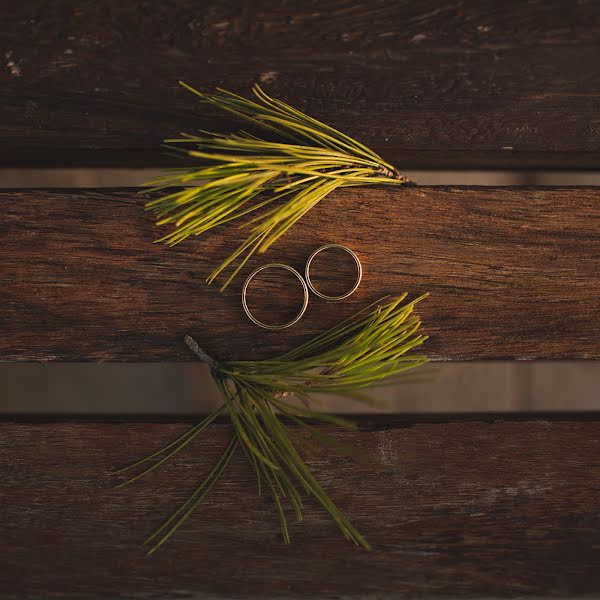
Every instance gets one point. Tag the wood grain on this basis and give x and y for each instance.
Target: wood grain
(513, 273)
(436, 83)
(472, 509)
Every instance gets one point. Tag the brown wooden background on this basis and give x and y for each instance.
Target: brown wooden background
(428, 83)
(454, 507)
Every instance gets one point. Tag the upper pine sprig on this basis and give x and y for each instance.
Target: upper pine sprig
(275, 181)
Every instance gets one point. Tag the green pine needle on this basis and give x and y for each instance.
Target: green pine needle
(372, 347)
(277, 181)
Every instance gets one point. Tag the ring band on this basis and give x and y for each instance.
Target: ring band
(358, 276)
(266, 325)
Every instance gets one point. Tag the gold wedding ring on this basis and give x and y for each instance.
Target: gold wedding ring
(358, 275)
(266, 325)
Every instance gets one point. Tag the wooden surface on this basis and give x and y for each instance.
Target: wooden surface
(513, 273)
(428, 84)
(466, 508)
(458, 509)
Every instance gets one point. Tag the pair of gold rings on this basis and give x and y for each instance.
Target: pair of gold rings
(306, 283)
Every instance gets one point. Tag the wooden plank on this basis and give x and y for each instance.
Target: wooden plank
(457, 509)
(429, 84)
(513, 273)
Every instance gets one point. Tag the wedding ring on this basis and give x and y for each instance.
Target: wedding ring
(358, 275)
(273, 266)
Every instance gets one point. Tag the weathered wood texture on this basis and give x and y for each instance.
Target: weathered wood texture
(513, 273)
(457, 509)
(428, 84)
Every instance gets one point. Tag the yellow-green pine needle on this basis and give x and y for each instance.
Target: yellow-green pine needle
(373, 347)
(300, 162)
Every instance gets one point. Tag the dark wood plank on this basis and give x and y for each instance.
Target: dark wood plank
(513, 273)
(457, 509)
(428, 84)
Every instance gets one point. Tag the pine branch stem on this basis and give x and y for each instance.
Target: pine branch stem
(205, 357)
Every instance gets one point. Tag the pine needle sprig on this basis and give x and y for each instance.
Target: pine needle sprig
(276, 181)
(372, 347)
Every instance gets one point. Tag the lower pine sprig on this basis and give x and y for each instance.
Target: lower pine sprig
(372, 347)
